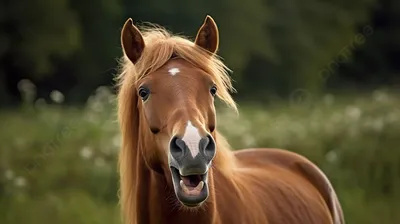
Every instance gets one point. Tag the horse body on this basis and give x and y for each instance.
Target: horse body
(289, 184)
(174, 165)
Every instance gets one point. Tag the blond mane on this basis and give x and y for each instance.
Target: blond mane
(160, 46)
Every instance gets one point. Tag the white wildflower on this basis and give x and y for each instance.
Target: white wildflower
(331, 156)
(57, 96)
(116, 141)
(86, 152)
(40, 103)
(353, 113)
(376, 125)
(27, 90)
(380, 96)
(20, 182)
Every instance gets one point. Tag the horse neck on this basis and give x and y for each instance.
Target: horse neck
(156, 202)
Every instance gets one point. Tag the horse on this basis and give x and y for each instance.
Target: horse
(174, 165)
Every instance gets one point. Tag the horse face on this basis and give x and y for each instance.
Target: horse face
(178, 105)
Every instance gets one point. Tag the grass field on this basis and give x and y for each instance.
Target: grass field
(58, 165)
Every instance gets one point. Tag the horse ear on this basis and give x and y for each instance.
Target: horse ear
(208, 36)
(132, 41)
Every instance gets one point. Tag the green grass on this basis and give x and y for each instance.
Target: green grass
(58, 165)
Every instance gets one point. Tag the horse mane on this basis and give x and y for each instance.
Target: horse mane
(160, 46)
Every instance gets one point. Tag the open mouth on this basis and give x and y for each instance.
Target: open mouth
(191, 190)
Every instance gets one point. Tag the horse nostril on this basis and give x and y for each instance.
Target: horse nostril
(177, 147)
(208, 146)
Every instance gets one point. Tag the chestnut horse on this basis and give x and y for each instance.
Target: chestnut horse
(174, 165)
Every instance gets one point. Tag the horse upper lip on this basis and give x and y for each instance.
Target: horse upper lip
(192, 172)
(189, 172)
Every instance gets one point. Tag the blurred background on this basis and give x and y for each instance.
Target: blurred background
(318, 77)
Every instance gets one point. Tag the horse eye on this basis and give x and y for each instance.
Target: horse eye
(213, 90)
(144, 93)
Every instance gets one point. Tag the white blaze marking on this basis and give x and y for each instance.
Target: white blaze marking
(173, 71)
(192, 139)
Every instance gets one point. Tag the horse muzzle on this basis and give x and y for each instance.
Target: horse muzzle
(189, 163)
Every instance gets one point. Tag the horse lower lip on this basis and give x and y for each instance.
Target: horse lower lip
(192, 193)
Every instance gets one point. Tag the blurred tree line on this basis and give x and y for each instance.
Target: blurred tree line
(273, 46)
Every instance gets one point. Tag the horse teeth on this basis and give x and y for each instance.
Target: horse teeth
(200, 186)
(183, 186)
